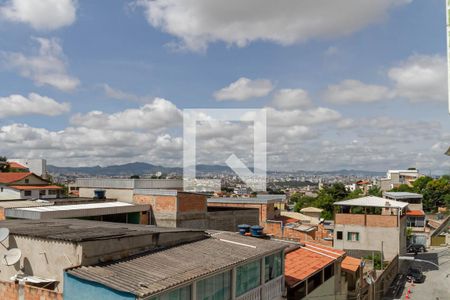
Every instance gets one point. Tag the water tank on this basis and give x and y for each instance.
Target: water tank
(244, 228)
(257, 231)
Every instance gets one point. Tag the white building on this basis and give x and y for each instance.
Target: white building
(36, 166)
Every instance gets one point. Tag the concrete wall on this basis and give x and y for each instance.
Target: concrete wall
(8, 193)
(32, 180)
(125, 195)
(370, 238)
(324, 292)
(266, 211)
(41, 258)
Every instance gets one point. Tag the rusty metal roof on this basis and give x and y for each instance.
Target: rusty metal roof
(155, 272)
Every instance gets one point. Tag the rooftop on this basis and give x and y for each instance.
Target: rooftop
(73, 230)
(372, 201)
(311, 210)
(10, 177)
(351, 264)
(75, 210)
(158, 271)
(262, 199)
(306, 261)
(23, 203)
(415, 213)
(402, 195)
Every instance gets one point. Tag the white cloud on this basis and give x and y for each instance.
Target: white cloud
(314, 116)
(40, 14)
(18, 105)
(118, 94)
(244, 89)
(48, 67)
(200, 22)
(159, 114)
(421, 78)
(291, 99)
(354, 91)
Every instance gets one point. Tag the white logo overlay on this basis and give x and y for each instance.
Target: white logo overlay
(255, 180)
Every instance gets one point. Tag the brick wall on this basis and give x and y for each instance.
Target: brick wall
(189, 202)
(381, 221)
(350, 219)
(2, 214)
(274, 228)
(10, 291)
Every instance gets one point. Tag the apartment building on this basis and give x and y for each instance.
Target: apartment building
(371, 224)
(395, 178)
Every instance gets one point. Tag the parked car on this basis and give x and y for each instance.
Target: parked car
(416, 248)
(415, 275)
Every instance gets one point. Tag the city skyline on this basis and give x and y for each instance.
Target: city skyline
(102, 85)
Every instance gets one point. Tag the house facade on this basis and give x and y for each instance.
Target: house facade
(27, 185)
(371, 224)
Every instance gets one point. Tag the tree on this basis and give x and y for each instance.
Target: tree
(354, 194)
(4, 166)
(402, 188)
(435, 193)
(420, 184)
(135, 177)
(375, 191)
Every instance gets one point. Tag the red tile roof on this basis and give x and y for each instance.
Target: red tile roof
(417, 213)
(286, 220)
(10, 177)
(14, 165)
(36, 187)
(305, 261)
(351, 264)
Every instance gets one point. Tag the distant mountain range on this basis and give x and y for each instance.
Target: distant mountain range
(140, 168)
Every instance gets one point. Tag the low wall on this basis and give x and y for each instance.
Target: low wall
(10, 291)
(384, 280)
(228, 220)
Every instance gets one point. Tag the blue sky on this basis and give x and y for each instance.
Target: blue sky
(352, 84)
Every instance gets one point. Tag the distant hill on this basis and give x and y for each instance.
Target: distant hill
(141, 168)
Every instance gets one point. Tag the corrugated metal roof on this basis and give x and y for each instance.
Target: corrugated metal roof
(155, 272)
(372, 201)
(73, 230)
(75, 211)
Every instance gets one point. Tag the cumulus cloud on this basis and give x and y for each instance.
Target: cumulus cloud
(291, 99)
(47, 67)
(355, 91)
(18, 105)
(200, 22)
(160, 113)
(244, 89)
(40, 14)
(421, 78)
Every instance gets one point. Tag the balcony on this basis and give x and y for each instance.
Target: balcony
(272, 290)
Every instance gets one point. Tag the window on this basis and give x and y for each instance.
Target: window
(53, 192)
(27, 193)
(339, 235)
(42, 192)
(353, 236)
(329, 272)
(215, 288)
(314, 281)
(183, 293)
(248, 277)
(27, 180)
(273, 267)
(1, 190)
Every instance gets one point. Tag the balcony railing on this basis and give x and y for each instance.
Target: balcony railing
(272, 290)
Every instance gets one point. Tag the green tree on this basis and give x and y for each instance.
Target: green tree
(402, 188)
(355, 194)
(375, 191)
(4, 166)
(435, 193)
(420, 184)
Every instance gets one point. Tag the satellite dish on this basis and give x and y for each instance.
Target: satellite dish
(4, 233)
(11, 257)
